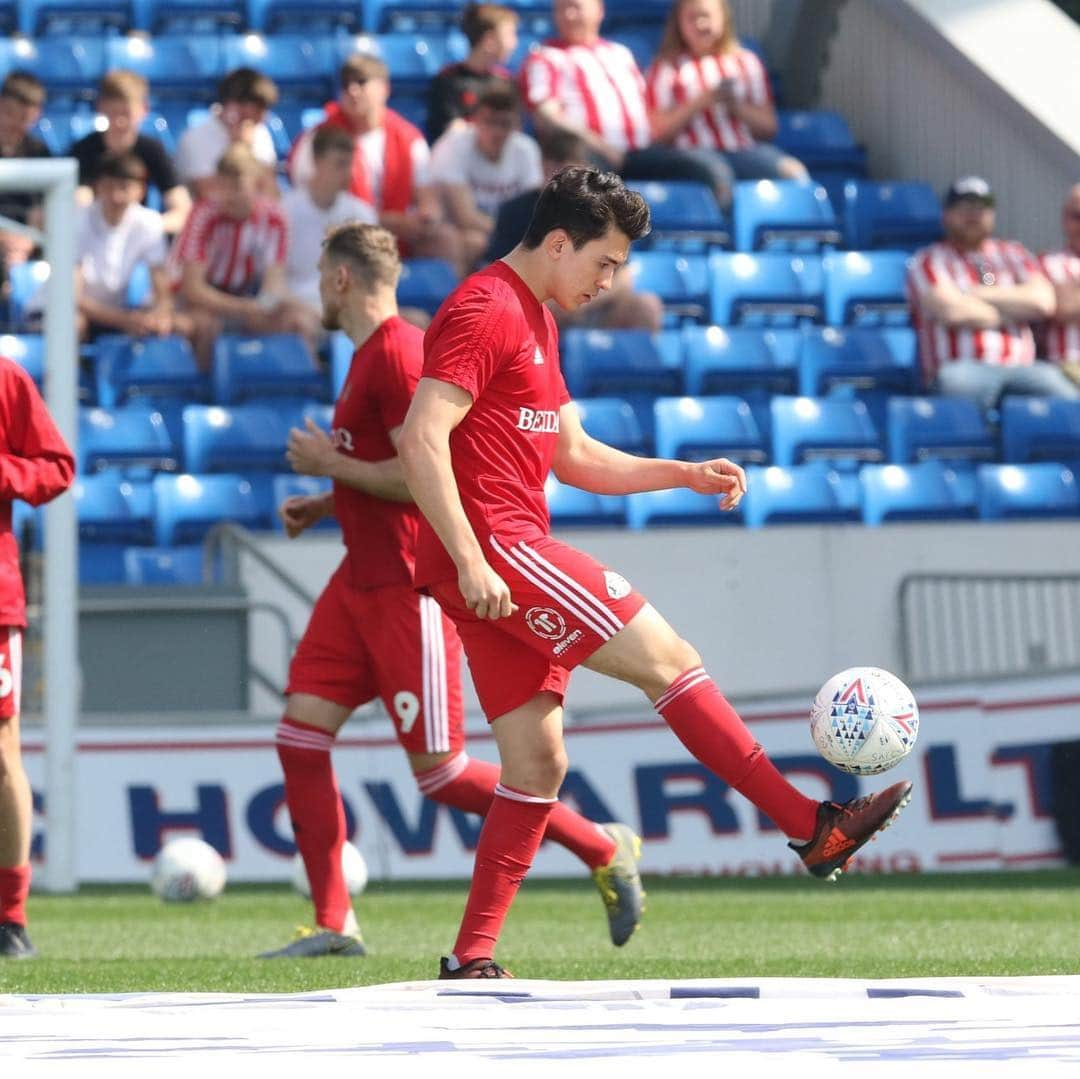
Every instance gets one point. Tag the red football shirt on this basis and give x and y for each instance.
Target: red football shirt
(379, 535)
(495, 340)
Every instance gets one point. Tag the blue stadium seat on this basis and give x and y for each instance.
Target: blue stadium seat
(292, 486)
(87, 18)
(27, 282)
(820, 140)
(341, 354)
(193, 16)
(866, 287)
(140, 286)
(805, 428)
(321, 414)
(312, 16)
(70, 67)
(27, 524)
(926, 491)
(413, 16)
(859, 357)
(412, 58)
(783, 215)
(1038, 490)
(643, 40)
(650, 509)
(631, 13)
(425, 283)
(572, 506)
(244, 438)
(177, 66)
(893, 214)
(9, 17)
(735, 360)
(163, 565)
(811, 493)
(112, 508)
(681, 281)
(685, 215)
(304, 66)
(27, 350)
(599, 363)
(187, 506)
(613, 421)
(1039, 429)
(131, 437)
(701, 428)
(147, 367)
(769, 288)
(277, 365)
(946, 427)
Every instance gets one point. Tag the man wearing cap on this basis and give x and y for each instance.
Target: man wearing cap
(973, 299)
(1063, 269)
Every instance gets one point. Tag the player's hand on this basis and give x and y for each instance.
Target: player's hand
(486, 593)
(719, 477)
(300, 512)
(310, 452)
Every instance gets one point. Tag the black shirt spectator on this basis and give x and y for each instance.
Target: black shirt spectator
(160, 170)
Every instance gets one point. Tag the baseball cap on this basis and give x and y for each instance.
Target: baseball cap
(970, 187)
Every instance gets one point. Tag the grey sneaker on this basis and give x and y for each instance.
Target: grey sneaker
(315, 943)
(14, 943)
(619, 884)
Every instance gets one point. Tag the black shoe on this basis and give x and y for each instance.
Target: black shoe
(475, 968)
(14, 942)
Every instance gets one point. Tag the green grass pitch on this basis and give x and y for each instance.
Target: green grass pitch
(125, 940)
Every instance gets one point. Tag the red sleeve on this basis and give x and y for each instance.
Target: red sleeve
(35, 462)
(399, 376)
(463, 346)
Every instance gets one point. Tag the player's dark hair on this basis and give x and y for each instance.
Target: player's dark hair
(122, 165)
(370, 251)
(479, 19)
(586, 203)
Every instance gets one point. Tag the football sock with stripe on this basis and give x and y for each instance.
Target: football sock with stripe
(14, 888)
(698, 713)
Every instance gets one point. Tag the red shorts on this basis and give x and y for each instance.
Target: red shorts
(10, 671)
(389, 643)
(568, 606)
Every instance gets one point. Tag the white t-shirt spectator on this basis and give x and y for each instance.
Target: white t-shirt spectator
(1062, 338)
(307, 227)
(455, 159)
(106, 254)
(200, 147)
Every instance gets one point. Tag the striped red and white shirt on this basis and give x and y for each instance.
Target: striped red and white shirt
(1062, 338)
(598, 86)
(674, 82)
(1010, 345)
(236, 253)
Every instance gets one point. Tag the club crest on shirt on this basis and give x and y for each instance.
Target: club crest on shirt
(538, 357)
(617, 585)
(545, 622)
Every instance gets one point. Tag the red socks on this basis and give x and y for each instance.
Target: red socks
(469, 784)
(509, 840)
(14, 888)
(318, 816)
(711, 729)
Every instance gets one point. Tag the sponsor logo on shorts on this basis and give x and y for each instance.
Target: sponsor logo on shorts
(546, 623)
(541, 420)
(571, 639)
(617, 585)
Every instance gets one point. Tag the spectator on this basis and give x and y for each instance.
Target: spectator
(621, 308)
(973, 299)
(478, 166)
(114, 233)
(124, 100)
(591, 87)
(313, 208)
(1063, 269)
(244, 98)
(229, 262)
(390, 162)
(455, 91)
(22, 97)
(707, 91)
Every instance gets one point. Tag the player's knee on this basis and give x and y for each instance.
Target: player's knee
(541, 775)
(679, 656)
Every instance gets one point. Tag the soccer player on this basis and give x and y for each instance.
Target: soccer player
(35, 466)
(490, 418)
(371, 634)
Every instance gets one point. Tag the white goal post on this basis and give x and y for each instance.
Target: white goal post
(55, 179)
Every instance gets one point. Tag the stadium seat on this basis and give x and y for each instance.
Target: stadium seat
(681, 281)
(26, 524)
(85, 18)
(865, 287)
(140, 287)
(701, 428)
(735, 360)
(111, 508)
(572, 506)
(805, 428)
(412, 58)
(9, 17)
(187, 506)
(859, 357)
(147, 367)
(341, 354)
(244, 438)
(632, 13)
(947, 427)
(685, 215)
(27, 350)
(926, 491)
(291, 485)
(770, 288)
(303, 65)
(598, 363)
(177, 66)
(1044, 490)
(783, 215)
(650, 509)
(134, 436)
(163, 565)
(321, 414)
(27, 283)
(893, 214)
(311, 16)
(803, 494)
(613, 421)
(425, 283)
(643, 40)
(69, 66)
(820, 140)
(1039, 429)
(193, 16)
(277, 365)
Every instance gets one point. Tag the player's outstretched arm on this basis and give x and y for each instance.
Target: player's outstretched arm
(40, 466)
(585, 462)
